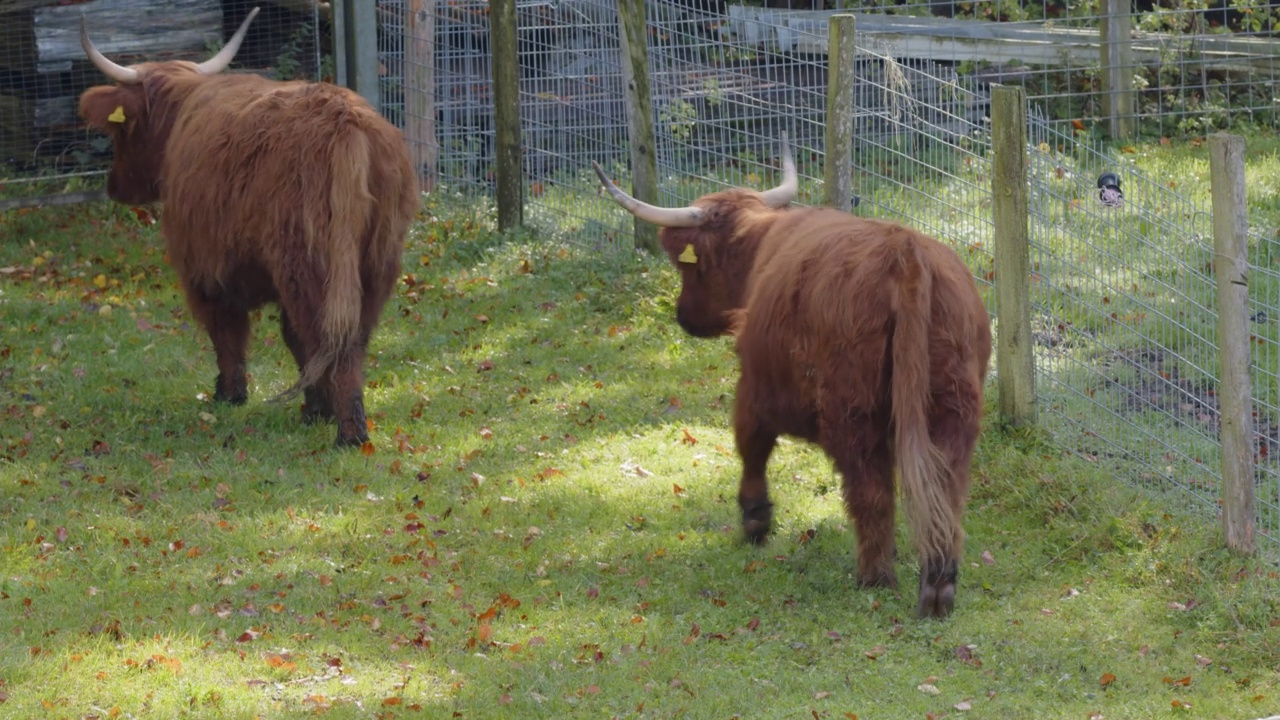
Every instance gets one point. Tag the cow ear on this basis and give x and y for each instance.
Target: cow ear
(104, 108)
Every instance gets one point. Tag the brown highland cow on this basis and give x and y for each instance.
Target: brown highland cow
(863, 336)
(295, 193)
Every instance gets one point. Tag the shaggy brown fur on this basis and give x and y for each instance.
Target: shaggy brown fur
(294, 193)
(863, 336)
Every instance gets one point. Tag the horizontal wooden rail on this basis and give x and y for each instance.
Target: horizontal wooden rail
(1031, 43)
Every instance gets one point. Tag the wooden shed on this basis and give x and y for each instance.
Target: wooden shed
(43, 70)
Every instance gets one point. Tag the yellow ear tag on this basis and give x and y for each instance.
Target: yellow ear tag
(689, 256)
(117, 115)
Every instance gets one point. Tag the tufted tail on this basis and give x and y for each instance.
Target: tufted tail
(923, 474)
(339, 243)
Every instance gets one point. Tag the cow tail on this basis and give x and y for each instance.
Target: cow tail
(339, 243)
(922, 468)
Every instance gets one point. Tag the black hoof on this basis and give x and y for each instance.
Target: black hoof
(234, 397)
(757, 520)
(937, 589)
(351, 440)
(353, 431)
(234, 392)
(316, 407)
(878, 579)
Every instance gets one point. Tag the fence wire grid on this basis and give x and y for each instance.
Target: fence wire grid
(1123, 297)
(43, 69)
(1196, 65)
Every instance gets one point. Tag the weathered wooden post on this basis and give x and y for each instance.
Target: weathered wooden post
(1015, 363)
(358, 22)
(420, 91)
(841, 55)
(1231, 271)
(506, 112)
(1117, 68)
(340, 43)
(639, 104)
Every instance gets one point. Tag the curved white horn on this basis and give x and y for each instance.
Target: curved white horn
(662, 217)
(782, 195)
(119, 73)
(219, 62)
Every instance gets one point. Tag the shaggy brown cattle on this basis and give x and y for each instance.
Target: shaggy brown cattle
(288, 192)
(863, 336)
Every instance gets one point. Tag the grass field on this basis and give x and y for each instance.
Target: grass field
(545, 524)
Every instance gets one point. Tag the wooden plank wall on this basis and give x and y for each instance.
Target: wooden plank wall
(952, 40)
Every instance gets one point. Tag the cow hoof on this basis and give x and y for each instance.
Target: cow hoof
(234, 397)
(936, 601)
(878, 579)
(937, 589)
(316, 407)
(232, 390)
(756, 522)
(352, 440)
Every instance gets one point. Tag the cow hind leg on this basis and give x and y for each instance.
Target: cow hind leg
(345, 385)
(228, 329)
(316, 406)
(867, 468)
(346, 380)
(755, 444)
(955, 436)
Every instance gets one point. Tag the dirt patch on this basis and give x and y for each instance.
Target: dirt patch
(1152, 380)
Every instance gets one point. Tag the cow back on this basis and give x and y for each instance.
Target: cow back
(250, 173)
(823, 303)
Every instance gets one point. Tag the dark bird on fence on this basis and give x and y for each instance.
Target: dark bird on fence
(1109, 190)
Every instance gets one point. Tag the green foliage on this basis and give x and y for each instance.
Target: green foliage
(680, 117)
(544, 525)
(288, 64)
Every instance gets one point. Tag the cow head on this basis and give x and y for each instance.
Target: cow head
(713, 244)
(138, 125)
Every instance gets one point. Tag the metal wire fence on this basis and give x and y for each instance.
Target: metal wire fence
(1123, 317)
(1126, 347)
(1195, 65)
(1122, 296)
(43, 70)
(1125, 326)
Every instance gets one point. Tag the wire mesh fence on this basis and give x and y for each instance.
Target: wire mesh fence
(1126, 348)
(571, 104)
(1123, 319)
(1193, 66)
(43, 69)
(1126, 327)
(1122, 295)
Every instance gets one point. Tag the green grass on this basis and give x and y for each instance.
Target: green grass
(546, 526)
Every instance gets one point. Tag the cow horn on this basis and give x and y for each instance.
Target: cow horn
(219, 62)
(662, 217)
(782, 195)
(119, 73)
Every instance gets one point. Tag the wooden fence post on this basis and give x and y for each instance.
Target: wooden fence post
(340, 43)
(1015, 363)
(1231, 271)
(841, 57)
(1117, 68)
(639, 104)
(505, 60)
(360, 40)
(420, 91)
